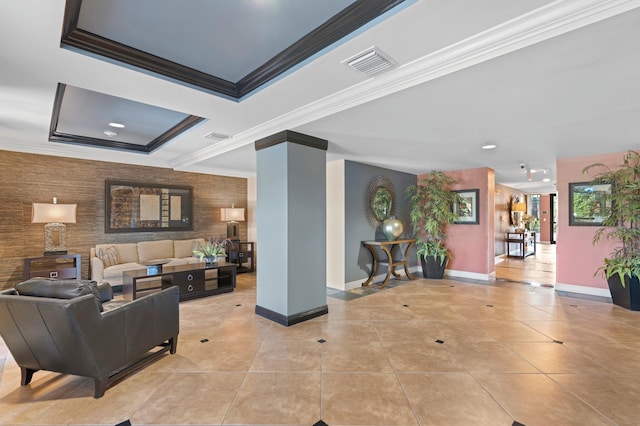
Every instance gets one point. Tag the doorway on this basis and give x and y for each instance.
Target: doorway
(538, 269)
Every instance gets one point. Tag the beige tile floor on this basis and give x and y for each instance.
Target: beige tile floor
(510, 352)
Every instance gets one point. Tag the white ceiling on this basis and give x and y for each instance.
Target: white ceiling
(542, 80)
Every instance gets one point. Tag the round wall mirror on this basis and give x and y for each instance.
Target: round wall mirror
(381, 203)
(379, 200)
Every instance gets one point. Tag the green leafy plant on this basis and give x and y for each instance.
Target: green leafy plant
(620, 210)
(212, 248)
(430, 210)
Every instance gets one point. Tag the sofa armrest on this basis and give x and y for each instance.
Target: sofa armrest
(150, 320)
(97, 269)
(105, 292)
(124, 333)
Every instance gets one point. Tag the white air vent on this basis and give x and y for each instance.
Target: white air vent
(369, 62)
(215, 137)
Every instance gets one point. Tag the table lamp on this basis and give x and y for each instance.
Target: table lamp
(54, 216)
(232, 216)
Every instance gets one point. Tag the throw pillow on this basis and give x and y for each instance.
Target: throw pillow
(109, 256)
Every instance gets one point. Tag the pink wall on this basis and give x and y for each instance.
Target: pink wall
(576, 258)
(545, 218)
(472, 246)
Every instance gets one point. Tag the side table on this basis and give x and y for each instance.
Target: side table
(241, 253)
(58, 266)
(525, 241)
(387, 248)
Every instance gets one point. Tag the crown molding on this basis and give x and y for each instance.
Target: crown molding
(552, 20)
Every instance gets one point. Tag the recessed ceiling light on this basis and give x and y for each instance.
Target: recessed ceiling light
(110, 133)
(116, 125)
(488, 146)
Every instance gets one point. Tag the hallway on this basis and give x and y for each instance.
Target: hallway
(537, 269)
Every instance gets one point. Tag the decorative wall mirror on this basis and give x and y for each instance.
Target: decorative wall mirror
(144, 207)
(517, 209)
(380, 200)
(381, 203)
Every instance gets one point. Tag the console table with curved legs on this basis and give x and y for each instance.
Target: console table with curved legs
(387, 248)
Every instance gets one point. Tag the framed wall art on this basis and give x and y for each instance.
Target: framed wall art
(588, 203)
(142, 207)
(466, 208)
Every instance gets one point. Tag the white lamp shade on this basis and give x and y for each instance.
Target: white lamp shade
(232, 214)
(53, 213)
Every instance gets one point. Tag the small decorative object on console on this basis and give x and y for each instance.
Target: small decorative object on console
(392, 228)
(211, 250)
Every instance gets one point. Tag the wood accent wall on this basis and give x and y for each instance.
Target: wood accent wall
(28, 178)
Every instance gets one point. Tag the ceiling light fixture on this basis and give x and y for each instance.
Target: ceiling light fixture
(530, 173)
(488, 145)
(116, 125)
(110, 133)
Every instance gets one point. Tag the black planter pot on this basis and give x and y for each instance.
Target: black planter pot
(628, 296)
(432, 268)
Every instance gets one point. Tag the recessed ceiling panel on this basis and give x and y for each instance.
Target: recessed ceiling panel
(228, 39)
(231, 47)
(86, 117)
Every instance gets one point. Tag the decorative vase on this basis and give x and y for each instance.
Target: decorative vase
(392, 228)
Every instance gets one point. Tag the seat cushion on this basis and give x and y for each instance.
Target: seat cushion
(59, 289)
(117, 270)
(176, 262)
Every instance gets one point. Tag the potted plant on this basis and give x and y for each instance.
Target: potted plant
(212, 250)
(620, 210)
(430, 210)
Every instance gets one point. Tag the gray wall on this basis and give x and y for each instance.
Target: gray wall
(357, 227)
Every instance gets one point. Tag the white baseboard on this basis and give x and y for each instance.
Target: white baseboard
(470, 275)
(579, 289)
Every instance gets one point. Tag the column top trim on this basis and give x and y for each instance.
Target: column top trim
(293, 137)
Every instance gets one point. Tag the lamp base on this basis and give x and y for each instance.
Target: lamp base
(232, 231)
(55, 238)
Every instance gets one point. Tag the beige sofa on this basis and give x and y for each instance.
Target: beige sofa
(109, 261)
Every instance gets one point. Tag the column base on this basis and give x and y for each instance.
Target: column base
(288, 320)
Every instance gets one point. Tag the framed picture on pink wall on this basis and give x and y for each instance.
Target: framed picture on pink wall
(589, 203)
(466, 209)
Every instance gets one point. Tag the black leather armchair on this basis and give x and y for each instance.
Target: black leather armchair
(88, 334)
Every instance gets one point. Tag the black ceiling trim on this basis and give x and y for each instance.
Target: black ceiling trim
(340, 25)
(345, 22)
(293, 137)
(185, 124)
(55, 136)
